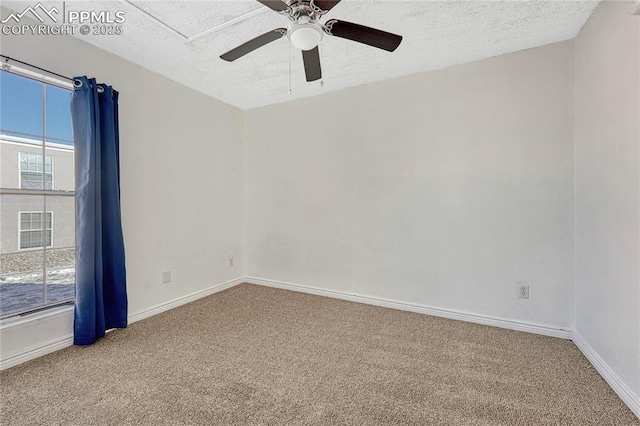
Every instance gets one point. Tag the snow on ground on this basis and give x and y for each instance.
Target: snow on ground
(54, 276)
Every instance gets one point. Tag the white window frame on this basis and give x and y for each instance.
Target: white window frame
(39, 248)
(44, 166)
(49, 308)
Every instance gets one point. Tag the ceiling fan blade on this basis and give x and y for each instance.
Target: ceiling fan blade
(311, 59)
(360, 33)
(326, 5)
(252, 45)
(277, 5)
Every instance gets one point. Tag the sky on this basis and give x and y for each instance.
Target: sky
(21, 108)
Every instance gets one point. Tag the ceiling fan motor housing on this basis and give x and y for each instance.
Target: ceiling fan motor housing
(300, 8)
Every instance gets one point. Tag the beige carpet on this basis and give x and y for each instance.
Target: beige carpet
(252, 356)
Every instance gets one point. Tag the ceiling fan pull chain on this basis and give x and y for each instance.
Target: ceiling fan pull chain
(290, 91)
(322, 61)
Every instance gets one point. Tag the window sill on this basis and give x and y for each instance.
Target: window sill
(46, 314)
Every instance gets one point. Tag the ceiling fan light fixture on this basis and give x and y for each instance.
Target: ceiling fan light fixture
(305, 36)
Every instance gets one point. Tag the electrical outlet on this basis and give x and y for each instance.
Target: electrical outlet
(523, 291)
(231, 262)
(166, 277)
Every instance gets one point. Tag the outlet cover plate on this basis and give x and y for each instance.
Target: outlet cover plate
(523, 291)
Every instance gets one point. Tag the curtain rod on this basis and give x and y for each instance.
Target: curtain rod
(8, 58)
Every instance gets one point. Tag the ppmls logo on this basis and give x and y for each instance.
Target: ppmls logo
(103, 22)
(33, 13)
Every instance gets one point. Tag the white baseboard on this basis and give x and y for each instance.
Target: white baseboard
(67, 340)
(36, 352)
(162, 307)
(544, 330)
(619, 387)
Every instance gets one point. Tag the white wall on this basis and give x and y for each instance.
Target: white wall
(181, 178)
(444, 189)
(607, 189)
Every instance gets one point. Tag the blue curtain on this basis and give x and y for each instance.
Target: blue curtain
(101, 294)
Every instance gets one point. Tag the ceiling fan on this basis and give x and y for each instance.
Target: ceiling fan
(305, 32)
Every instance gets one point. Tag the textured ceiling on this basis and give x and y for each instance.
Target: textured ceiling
(437, 34)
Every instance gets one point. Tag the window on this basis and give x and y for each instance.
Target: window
(31, 169)
(37, 193)
(31, 227)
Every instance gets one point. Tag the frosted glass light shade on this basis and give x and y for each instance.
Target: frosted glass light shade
(305, 36)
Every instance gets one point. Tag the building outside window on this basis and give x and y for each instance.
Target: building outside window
(37, 198)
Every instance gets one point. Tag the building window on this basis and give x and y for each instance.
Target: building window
(31, 230)
(31, 170)
(37, 192)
